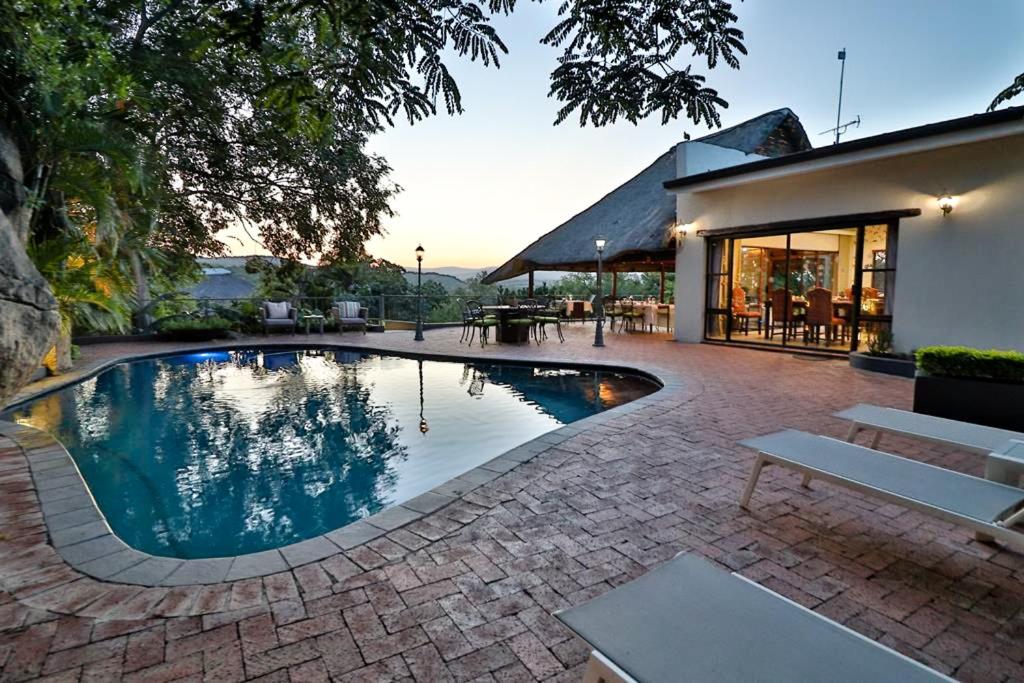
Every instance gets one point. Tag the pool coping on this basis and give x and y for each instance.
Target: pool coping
(79, 532)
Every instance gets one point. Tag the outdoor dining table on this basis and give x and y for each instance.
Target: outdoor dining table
(506, 333)
(651, 311)
(577, 310)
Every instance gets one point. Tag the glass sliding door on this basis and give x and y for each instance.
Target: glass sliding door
(716, 309)
(877, 280)
(827, 289)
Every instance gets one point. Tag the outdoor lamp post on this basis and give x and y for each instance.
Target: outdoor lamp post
(599, 242)
(419, 293)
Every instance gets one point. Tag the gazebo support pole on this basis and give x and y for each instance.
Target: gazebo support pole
(529, 286)
(615, 284)
(661, 293)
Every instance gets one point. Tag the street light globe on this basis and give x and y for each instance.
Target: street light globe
(419, 253)
(599, 242)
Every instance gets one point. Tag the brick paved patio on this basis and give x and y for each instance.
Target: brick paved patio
(467, 592)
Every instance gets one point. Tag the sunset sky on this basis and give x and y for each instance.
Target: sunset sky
(479, 187)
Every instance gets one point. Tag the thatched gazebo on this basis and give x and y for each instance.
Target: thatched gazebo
(637, 218)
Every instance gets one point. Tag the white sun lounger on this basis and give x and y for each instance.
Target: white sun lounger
(688, 620)
(962, 435)
(984, 506)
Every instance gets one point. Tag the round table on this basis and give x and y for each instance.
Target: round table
(506, 333)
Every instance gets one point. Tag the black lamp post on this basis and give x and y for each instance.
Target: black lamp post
(599, 242)
(419, 293)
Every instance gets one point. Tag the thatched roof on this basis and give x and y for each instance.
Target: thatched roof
(637, 217)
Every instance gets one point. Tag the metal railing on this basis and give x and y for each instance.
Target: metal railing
(380, 307)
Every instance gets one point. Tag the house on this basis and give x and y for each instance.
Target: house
(918, 233)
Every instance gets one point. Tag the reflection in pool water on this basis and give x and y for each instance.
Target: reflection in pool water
(224, 453)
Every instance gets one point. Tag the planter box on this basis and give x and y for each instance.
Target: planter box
(984, 402)
(901, 367)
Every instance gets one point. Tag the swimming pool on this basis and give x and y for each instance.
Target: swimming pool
(232, 452)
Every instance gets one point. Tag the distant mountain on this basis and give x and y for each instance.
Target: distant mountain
(454, 271)
(515, 283)
(231, 261)
(449, 282)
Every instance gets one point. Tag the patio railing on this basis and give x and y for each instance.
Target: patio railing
(380, 307)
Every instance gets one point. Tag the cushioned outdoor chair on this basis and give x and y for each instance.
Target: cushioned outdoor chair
(525, 317)
(349, 314)
(278, 314)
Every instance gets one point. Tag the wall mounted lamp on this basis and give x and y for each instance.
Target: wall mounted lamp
(946, 204)
(682, 230)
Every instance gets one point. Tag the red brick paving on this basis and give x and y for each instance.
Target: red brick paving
(466, 594)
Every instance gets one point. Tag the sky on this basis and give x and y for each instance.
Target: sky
(479, 187)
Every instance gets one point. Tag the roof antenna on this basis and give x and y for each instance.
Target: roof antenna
(841, 127)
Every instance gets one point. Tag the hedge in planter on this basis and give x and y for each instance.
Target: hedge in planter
(973, 385)
(194, 329)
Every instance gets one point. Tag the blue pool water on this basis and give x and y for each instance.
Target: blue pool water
(225, 453)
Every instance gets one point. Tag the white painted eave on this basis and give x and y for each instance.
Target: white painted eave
(896, 149)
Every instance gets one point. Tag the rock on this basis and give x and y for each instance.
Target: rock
(28, 311)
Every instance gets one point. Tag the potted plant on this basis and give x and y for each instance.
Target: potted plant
(880, 357)
(973, 385)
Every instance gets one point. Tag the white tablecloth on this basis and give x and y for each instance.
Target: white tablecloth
(569, 305)
(651, 313)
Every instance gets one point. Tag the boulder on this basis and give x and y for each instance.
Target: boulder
(29, 319)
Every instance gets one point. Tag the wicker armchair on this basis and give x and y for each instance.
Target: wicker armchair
(349, 314)
(278, 314)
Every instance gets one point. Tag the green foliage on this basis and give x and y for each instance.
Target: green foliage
(76, 352)
(195, 323)
(621, 59)
(174, 119)
(881, 343)
(1008, 93)
(88, 290)
(968, 363)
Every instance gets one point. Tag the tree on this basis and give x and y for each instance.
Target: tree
(1008, 93)
(178, 118)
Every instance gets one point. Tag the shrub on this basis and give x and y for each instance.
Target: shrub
(880, 344)
(968, 363)
(188, 324)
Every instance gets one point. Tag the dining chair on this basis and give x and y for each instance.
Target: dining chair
(524, 317)
(782, 312)
(611, 311)
(821, 314)
(479, 320)
(630, 314)
(740, 312)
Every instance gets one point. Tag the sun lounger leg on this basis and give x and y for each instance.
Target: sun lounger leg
(806, 482)
(876, 440)
(601, 670)
(852, 434)
(752, 481)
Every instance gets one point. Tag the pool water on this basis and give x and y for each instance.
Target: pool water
(232, 452)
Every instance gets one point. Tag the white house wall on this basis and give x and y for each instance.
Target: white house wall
(959, 279)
